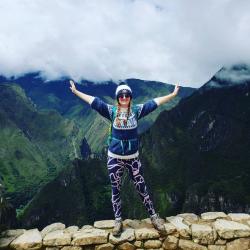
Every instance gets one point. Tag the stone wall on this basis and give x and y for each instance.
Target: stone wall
(211, 230)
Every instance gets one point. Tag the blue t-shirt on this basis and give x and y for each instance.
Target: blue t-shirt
(125, 140)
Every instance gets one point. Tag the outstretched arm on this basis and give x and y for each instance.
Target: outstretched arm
(96, 103)
(166, 98)
(87, 98)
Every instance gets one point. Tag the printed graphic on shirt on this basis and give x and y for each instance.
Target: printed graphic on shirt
(121, 120)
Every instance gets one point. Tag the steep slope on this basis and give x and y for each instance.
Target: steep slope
(35, 145)
(195, 158)
(199, 152)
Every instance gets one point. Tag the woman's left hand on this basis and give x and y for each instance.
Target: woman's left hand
(176, 89)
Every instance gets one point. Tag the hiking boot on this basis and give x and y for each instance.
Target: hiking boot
(117, 230)
(158, 223)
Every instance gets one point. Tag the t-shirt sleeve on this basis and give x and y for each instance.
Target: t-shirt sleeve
(146, 108)
(102, 108)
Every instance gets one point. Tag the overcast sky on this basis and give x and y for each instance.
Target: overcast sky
(176, 41)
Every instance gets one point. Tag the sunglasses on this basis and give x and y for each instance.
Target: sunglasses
(124, 96)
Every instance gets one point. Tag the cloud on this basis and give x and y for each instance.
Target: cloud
(168, 41)
(239, 74)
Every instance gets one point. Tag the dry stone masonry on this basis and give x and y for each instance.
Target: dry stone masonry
(209, 231)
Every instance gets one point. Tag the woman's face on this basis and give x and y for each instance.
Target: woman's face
(124, 100)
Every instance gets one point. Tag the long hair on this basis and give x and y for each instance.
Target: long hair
(117, 120)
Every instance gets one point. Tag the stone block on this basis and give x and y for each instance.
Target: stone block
(30, 239)
(231, 229)
(89, 236)
(146, 233)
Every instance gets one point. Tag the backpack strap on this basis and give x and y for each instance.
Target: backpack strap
(114, 110)
(135, 110)
(113, 115)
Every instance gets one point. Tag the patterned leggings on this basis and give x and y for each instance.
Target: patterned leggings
(116, 168)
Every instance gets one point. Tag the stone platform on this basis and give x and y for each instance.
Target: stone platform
(211, 230)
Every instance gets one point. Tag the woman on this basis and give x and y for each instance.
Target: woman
(123, 147)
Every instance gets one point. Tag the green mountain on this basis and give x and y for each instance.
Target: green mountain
(198, 153)
(44, 127)
(35, 145)
(196, 158)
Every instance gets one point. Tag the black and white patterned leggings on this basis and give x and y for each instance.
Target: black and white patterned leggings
(116, 168)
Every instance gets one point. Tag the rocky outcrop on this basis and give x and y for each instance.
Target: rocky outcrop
(210, 230)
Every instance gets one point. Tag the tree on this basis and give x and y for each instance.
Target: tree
(7, 211)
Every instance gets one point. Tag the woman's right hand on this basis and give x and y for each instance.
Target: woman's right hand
(73, 87)
(87, 98)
